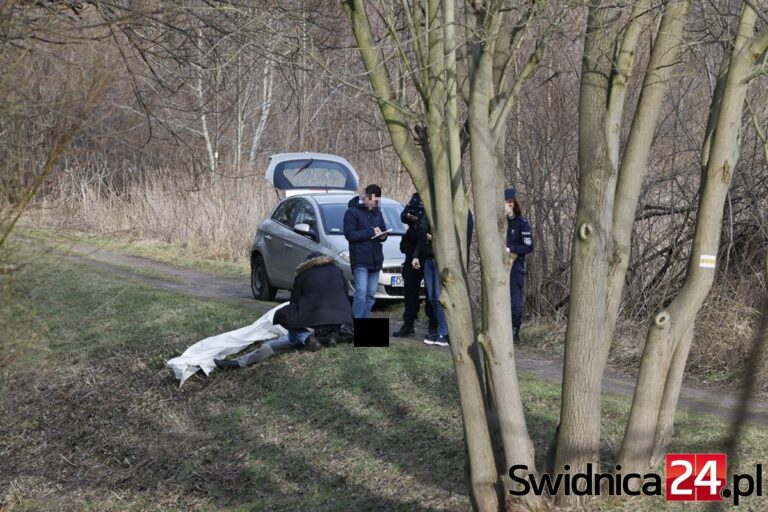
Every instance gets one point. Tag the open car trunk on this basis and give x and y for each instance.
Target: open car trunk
(299, 173)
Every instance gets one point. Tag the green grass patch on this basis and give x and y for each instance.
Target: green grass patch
(90, 418)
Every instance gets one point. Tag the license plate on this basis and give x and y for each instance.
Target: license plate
(398, 281)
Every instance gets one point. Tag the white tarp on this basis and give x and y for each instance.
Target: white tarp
(200, 355)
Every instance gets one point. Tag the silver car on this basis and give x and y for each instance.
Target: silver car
(311, 218)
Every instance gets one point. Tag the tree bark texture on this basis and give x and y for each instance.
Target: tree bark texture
(670, 335)
(579, 439)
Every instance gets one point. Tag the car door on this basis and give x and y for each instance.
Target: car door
(297, 246)
(276, 234)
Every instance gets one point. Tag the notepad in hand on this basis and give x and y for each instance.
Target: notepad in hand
(382, 233)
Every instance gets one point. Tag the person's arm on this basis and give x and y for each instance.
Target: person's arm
(296, 290)
(421, 237)
(352, 232)
(407, 216)
(382, 227)
(524, 240)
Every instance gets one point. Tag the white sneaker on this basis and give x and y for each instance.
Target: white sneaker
(442, 341)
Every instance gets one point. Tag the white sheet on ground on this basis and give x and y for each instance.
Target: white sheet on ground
(200, 355)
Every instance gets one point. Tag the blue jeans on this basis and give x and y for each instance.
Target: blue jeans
(294, 341)
(366, 283)
(432, 284)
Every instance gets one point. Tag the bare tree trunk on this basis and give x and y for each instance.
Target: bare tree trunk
(202, 106)
(239, 118)
(669, 337)
(264, 108)
(634, 164)
(495, 337)
(579, 439)
(484, 479)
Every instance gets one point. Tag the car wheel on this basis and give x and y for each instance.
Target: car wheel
(260, 286)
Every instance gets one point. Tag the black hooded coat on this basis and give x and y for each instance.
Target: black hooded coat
(319, 297)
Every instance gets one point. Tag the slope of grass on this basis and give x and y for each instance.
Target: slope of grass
(90, 419)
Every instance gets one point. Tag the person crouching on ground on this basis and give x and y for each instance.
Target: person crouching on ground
(318, 301)
(365, 231)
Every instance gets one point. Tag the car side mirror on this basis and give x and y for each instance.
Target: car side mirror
(304, 229)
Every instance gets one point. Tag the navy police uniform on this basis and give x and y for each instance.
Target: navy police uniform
(520, 242)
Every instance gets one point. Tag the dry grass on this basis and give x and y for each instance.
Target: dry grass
(724, 333)
(218, 219)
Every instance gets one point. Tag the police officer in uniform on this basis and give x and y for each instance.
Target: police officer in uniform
(520, 242)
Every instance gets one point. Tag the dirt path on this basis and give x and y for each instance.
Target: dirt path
(200, 284)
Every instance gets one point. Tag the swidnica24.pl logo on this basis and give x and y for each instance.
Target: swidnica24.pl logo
(688, 477)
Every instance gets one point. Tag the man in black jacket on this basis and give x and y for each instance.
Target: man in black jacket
(411, 215)
(365, 231)
(318, 301)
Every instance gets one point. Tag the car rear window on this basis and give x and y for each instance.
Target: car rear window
(333, 218)
(312, 173)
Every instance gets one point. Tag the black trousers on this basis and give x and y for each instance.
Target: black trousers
(412, 287)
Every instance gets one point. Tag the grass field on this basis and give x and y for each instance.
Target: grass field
(90, 418)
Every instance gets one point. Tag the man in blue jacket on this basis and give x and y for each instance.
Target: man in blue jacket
(365, 231)
(520, 242)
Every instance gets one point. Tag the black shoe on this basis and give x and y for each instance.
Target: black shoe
(515, 335)
(345, 335)
(405, 331)
(312, 344)
(431, 338)
(331, 340)
(227, 364)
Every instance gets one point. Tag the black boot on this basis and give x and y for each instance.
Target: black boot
(432, 330)
(331, 340)
(405, 331)
(346, 335)
(312, 344)
(227, 364)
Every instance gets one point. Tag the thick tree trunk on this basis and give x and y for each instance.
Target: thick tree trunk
(484, 480)
(496, 335)
(669, 338)
(634, 164)
(579, 439)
